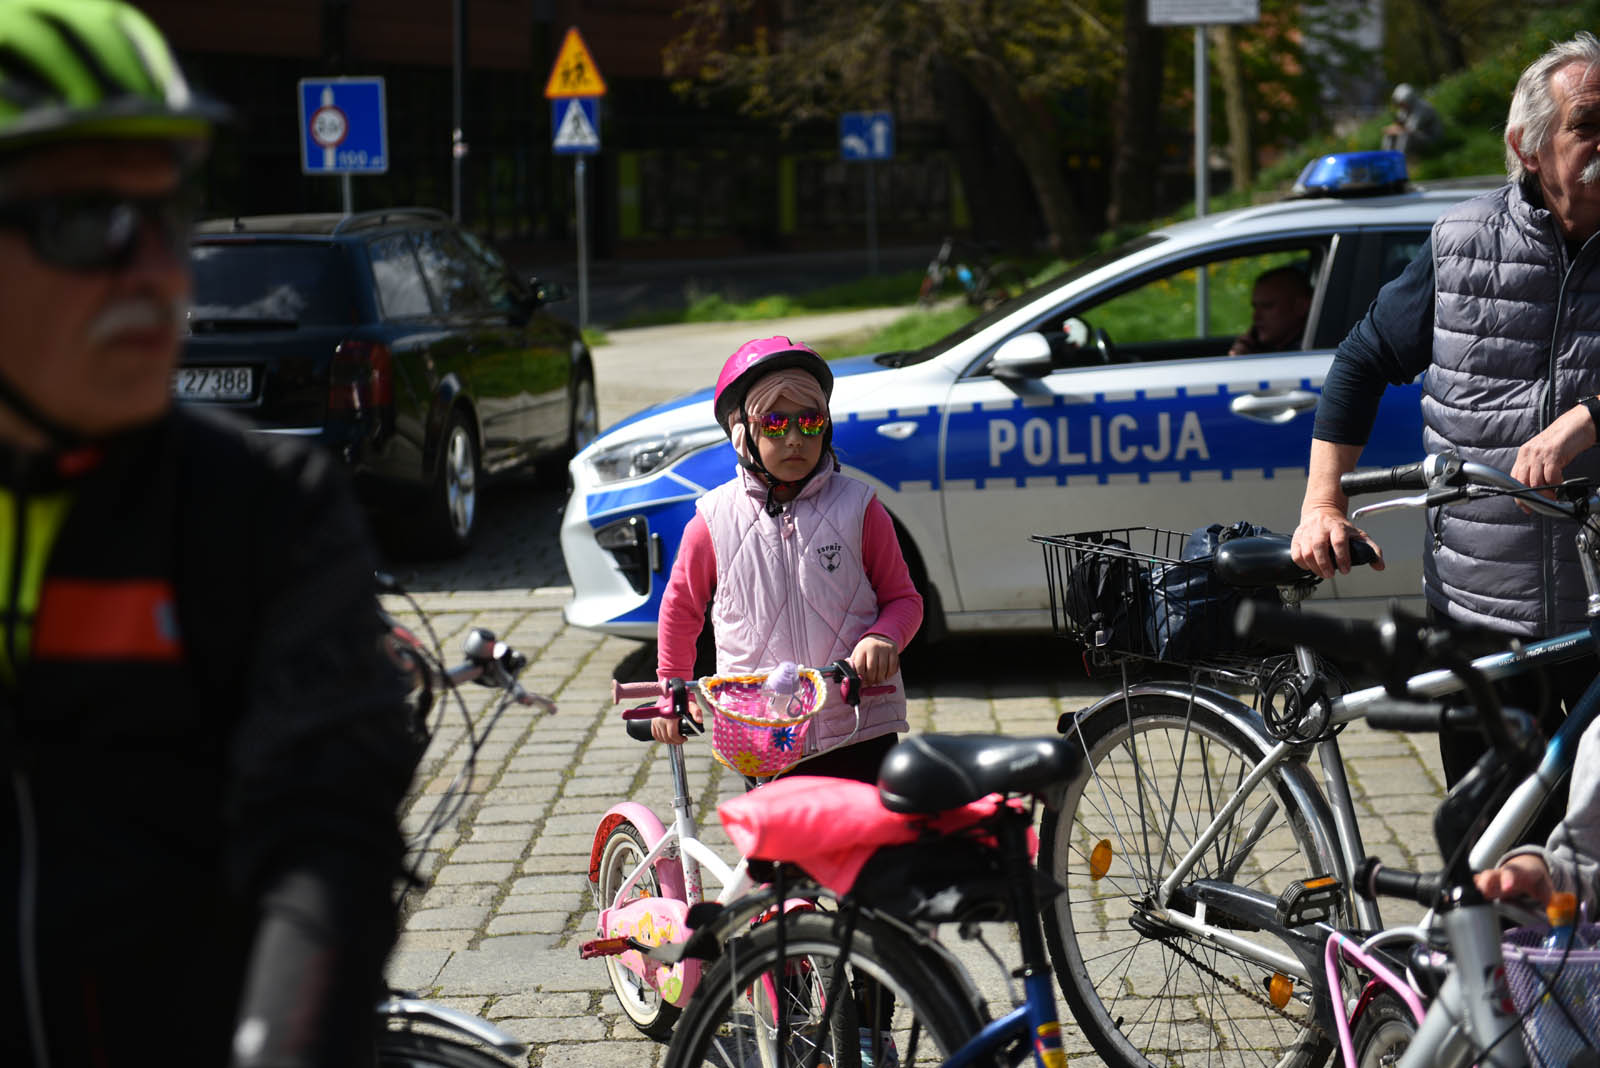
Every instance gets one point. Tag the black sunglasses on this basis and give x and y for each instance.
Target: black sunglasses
(97, 231)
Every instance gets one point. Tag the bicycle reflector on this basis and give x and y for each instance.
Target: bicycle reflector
(1309, 901)
(1100, 860)
(1279, 989)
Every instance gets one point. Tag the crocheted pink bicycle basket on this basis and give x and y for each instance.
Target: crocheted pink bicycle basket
(747, 736)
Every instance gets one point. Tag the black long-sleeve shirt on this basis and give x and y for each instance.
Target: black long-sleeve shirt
(1393, 343)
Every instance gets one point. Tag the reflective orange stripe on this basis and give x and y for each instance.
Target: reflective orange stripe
(87, 619)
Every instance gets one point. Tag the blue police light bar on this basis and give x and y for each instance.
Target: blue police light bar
(1352, 174)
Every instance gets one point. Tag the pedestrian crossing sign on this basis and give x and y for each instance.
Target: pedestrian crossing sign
(575, 125)
(574, 73)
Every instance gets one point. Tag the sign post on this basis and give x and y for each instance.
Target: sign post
(343, 129)
(867, 136)
(574, 90)
(1200, 14)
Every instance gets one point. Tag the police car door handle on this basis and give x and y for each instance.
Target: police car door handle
(1277, 406)
(897, 431)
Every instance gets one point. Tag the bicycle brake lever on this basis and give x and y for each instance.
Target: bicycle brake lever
(1390, 505)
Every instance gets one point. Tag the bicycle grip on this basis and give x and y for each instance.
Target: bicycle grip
(1346, 637)
(1411, 717)
(1384, 479)
(634, 691)
(639, 729)
(1373, 879)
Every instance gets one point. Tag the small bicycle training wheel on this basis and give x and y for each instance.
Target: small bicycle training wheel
(1156, 769)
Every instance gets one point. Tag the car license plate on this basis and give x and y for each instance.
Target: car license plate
(214, 383)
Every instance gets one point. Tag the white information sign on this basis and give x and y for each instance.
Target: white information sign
(1202, 12)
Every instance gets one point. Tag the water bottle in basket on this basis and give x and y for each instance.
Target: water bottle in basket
(1564, 987)
(779, 689)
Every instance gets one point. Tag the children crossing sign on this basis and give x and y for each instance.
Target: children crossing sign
(574, 72)
(573, 121)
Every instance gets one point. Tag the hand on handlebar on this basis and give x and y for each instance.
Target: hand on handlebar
(875, 658)
(1321, 543)
(1523, 875)
(664, 728)
(1543, 458)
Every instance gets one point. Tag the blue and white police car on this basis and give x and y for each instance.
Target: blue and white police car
(1104, 398)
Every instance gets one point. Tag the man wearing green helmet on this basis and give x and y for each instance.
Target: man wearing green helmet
(205, 746)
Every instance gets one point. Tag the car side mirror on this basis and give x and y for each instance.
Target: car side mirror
(1026, 356)
(545, 292)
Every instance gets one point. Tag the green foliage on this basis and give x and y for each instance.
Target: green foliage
(913, 331)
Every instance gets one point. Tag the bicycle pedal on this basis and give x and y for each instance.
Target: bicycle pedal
(1309, 900)
(603, 947)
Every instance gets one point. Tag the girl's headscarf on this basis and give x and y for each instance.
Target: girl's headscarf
(762, 398)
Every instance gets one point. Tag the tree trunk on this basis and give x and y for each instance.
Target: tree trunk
(997, 190)
(1033, 136)
(1241, 145)
(1452, 54)
(1136, 119)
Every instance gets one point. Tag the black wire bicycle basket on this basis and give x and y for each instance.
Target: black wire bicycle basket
(1140, 593)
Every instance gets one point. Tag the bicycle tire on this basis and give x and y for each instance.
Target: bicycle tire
(722, 1028)
(1383, 1031)
(999, 283)
(1101, 959)
(412, 1049)
(644, 1007)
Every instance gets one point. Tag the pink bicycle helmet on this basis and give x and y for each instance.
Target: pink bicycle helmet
(759, 357)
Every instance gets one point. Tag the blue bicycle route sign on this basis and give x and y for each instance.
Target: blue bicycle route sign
(343, 126)
(866, 135)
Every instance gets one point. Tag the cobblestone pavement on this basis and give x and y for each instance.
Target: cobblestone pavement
(496, 930)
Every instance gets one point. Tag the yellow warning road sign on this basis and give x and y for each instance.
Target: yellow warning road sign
(574, 72)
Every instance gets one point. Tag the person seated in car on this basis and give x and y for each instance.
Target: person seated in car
(1279, 305)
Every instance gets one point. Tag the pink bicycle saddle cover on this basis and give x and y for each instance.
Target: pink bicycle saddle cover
(830, 827)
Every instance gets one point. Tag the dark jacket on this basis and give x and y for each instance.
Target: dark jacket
(201, 721)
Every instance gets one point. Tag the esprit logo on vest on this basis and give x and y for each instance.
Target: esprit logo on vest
(829, 555)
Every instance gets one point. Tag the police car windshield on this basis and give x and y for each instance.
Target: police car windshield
(1078, 270)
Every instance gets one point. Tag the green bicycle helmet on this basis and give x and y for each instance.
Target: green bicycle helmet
(92, 69)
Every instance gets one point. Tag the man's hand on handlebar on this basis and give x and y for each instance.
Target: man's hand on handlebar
(1321, 543)
(1542, 459)
(1523, 875)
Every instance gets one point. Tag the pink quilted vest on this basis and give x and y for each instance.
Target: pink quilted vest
(793, 587)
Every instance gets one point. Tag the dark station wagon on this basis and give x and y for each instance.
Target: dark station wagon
(397, 340)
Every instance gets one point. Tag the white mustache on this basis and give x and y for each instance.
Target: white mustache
(134, 313)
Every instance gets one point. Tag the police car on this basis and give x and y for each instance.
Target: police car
(1104, 398)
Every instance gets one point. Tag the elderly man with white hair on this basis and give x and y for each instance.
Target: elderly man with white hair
(1501, 308)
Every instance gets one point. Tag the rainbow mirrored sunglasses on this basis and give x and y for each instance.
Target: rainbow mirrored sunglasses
(776, 424)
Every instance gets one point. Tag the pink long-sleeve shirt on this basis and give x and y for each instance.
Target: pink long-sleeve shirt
(694, 580)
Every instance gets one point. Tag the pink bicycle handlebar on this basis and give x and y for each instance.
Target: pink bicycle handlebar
(633, 691)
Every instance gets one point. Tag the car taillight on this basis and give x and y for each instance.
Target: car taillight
(360, 377)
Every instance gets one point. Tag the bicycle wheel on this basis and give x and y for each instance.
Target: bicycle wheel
(1156, 768)
(731, 1023)
(411, 1049)
(623, 850)
(1383, 1031)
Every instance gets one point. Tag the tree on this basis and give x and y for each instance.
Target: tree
(800, 59)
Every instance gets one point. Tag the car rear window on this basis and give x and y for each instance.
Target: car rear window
(271, 284)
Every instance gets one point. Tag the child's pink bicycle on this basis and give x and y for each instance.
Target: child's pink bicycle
(647, 876)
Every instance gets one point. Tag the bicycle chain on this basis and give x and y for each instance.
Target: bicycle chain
(1310, 1020)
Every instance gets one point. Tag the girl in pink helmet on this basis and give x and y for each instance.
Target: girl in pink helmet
(797, 561)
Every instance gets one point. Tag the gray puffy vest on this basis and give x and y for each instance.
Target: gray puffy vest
(1516, 342)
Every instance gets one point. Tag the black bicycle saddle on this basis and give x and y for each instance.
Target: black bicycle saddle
(935, 772)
